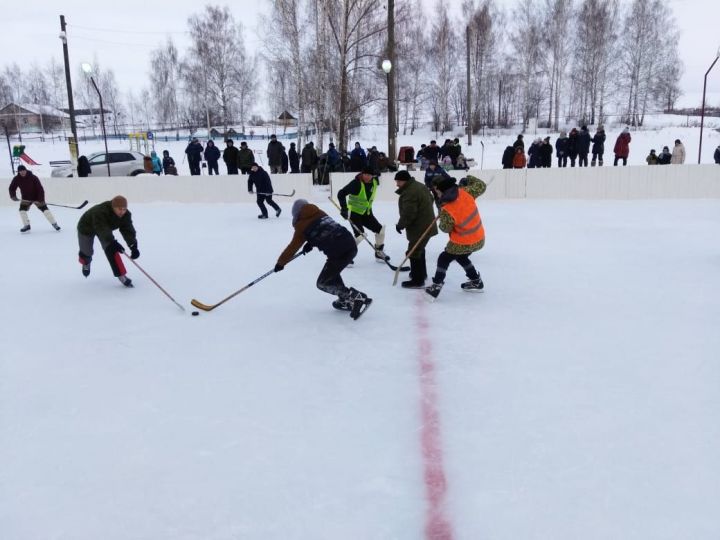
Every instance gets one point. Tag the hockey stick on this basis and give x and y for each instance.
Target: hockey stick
(360, 233)
(210, 307)
(154, 282)
(412, 249)
(83, 205)
(280, 194)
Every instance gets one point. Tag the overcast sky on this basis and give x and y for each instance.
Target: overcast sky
(122, 34)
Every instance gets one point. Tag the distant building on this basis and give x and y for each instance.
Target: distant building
(287, 119)
(32, 118)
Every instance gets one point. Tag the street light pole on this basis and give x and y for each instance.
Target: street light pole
(68, 83)
(469, 102)
(87, 68)
(702, 113)
(389, 68)
(7, 136)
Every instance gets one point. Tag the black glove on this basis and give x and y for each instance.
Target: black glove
(344, 213)
(279, 267)
(398, 228)
(307, 248)
(463, 182)
(134, 252)
(115, 247)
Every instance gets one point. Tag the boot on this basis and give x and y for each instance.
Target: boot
(126, 281)
(342, 305)
(417, 277)
(380, 255)
(473, 285)
(434, 289)
(26, 228)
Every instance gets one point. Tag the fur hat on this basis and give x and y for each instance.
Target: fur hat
(443, 183)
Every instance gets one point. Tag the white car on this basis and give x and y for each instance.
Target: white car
(122, 163)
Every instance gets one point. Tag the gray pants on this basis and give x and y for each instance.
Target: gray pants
(85, 243)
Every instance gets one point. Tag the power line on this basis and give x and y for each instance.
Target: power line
(95, 29)
(121, 43)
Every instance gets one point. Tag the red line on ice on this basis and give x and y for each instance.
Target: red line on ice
(437, 526)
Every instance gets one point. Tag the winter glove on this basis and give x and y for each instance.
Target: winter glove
(115, 247)
(134, 252)
(344, 213)
(398, 228)
(279, 267)
(463, 182)
(307, 248)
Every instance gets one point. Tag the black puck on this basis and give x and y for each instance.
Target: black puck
(195, 313)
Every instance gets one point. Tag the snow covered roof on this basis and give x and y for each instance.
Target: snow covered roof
(45, 110)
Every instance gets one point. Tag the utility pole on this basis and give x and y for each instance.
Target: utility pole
(469, 101)
(391, 81)
(73, 143)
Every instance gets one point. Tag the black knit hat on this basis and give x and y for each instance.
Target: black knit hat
(444, 183)
(21, 168)
(368, 170)
(403, 176)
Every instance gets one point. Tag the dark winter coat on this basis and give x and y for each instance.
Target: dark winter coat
(622, 145)
(83, 168)
(274, 153)
(454, 151)
(432, 152)
(230, 156)
(507, 158)
(546, 151)
(293, 160)
(519, 143)
(583, 142)
(319, 230)
(374, 160)
(573, 144)
(167, 163)
(417, 210)
(717, 155)
(664, 158)
(261, 180)
(284, 162)
(598, 141)
(534, 153)
(194, 152)
(245, 158)
(309, 157)
(561, 147)
(212, 154)
(30, 188)
(431, 176)
(101, 221)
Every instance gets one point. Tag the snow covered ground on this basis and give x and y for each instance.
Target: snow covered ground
(576, 398)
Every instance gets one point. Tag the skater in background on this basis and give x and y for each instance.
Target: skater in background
(622, 147)
(32, 192)
(315, 229)
(212, 156)
(460, 218)
(417, 212)
(356, 200)
(101, 220)
(259, 178)
(168, 164)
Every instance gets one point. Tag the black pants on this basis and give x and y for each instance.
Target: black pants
(232, 169)
(262, 199)
(330, 280)
(617, 158)
(444, 261)
(562, 161)
(194, 167)
(25, 206)
(597, 158)
(213, 166)
(583, 161)
(365, 220)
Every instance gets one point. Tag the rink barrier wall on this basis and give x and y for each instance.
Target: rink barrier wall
(594, 183)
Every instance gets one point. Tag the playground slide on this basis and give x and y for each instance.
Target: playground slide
(27, 159)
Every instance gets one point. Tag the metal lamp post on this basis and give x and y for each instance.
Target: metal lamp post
(387, 68)
(87, 68)
(702, 113)
(7, 136)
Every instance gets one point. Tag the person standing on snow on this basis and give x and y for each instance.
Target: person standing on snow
(460, 218)
(274, 155)
(598, 147)
(417, 212)
(293, 159)
(261, 180)
(561, 149)
(716, 156)
(101, 220)
(622, 147)
(194, 152)
(583, 146)
(168, 164)
(230, 156)
(212, 156)
(32, 192)
(356, 200)
(245, 158)
(156, 163)
(678, 153)
(314, 228)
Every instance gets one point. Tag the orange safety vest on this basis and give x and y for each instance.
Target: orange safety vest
(468, 227)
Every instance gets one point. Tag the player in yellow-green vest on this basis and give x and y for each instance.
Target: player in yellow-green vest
(356, 201)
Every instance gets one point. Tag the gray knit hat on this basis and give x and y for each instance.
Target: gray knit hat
(296, 207)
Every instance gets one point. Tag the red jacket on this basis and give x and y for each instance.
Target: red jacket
(30, 187)
(622, 145)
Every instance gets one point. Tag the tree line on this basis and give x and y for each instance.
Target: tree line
(550, 60)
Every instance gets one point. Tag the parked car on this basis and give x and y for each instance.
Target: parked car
(122, 163)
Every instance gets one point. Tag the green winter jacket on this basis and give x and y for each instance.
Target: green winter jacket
(101, 221)
(245, 158)
(417, 210)
(475, 187)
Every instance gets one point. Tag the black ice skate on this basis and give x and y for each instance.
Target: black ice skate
(126, 281)
(474, 285)
(434, 290)
(26, 228)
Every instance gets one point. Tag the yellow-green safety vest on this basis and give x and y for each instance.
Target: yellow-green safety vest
(359, 203)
